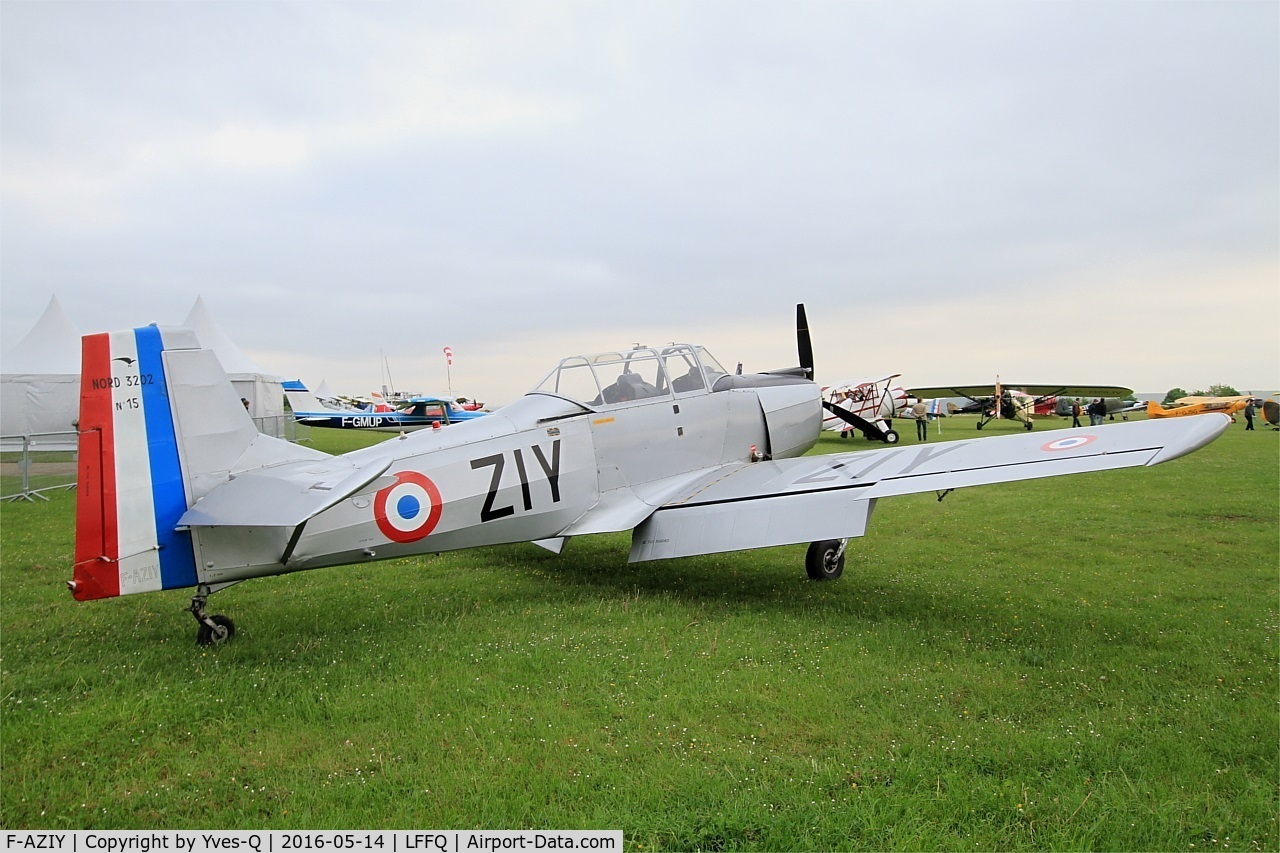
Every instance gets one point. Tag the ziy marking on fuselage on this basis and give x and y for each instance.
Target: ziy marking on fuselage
(551, 469)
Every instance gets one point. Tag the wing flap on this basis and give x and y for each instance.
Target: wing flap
(682, 531)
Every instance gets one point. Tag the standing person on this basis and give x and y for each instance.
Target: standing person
(920, 411)
(1248, 414)
(1075, 412)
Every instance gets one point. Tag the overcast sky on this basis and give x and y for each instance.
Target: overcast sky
(1078, 192)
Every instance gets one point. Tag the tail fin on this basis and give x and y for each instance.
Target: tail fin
(131, 489)
(160, 427)
(300, 399)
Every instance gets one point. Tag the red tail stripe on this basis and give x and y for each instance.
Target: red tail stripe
(97, 524)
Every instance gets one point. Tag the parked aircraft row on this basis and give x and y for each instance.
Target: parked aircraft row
(874, 403)
(868, 406)
(178, 489)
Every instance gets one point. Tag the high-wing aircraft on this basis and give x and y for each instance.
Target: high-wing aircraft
(872, 403)
(1015, 402)
(414, 414)
(178, 489)
(1198, 406)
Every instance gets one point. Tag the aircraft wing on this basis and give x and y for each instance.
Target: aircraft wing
(1114, 391)
(1036, 390)
(1191, 401)
(973, 392)
(811, 498)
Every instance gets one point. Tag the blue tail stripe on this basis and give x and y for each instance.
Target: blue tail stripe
(177, 558)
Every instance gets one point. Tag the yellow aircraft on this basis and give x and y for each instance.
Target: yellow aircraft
(1271, 412)
(1198, 406)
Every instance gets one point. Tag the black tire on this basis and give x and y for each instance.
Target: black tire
(207, 636)
(1029, 426)
(891, 437)
(979, 424)
(821, 563)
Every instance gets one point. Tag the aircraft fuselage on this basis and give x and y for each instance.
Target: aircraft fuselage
(542, 468)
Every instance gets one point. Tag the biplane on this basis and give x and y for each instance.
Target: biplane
(870, 405)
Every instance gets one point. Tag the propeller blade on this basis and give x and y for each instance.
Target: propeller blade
(804, 345)
(844, 414)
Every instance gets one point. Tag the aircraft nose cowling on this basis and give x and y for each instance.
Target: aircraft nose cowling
(793, 417)
(1202, 430)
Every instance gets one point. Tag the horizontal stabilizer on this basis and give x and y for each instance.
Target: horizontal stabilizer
(283, 495)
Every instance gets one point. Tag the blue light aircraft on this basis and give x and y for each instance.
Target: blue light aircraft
(412, 414)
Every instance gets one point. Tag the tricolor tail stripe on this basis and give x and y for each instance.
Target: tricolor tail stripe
(169, 497)
(131, 491)
(97, 539)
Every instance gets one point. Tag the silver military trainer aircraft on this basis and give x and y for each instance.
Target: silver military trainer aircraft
(178, 489)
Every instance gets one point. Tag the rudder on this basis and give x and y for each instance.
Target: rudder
(131, 489)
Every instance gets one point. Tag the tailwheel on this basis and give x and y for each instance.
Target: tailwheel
(221, 630)
(1029, 426)
(825, 559)
(211, 630)
(891, 437)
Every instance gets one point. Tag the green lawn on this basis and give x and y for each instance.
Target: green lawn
(1086, 662)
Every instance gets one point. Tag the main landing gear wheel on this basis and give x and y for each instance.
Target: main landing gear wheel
(825, 560)
(220, 631)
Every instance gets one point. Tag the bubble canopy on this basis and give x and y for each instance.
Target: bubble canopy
(643, 373)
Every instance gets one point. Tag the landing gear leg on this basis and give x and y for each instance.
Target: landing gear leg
(825, 559)
(212, 629)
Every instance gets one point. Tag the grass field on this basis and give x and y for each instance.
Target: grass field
(1088, 662)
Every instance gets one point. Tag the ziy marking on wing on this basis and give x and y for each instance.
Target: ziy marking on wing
(913, 458)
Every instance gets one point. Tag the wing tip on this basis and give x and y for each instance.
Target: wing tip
(1202, 430)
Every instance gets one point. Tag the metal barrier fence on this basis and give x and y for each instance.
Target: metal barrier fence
(283, 426)
(45, 461)
(36, 463)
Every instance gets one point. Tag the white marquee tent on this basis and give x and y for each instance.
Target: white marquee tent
(41, 374)
(41, 377)
(263, 391)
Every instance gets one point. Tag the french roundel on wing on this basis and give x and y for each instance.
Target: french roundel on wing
(409, 509)
(1070, 442)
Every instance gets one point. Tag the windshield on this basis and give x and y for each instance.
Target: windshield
(644, 373)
